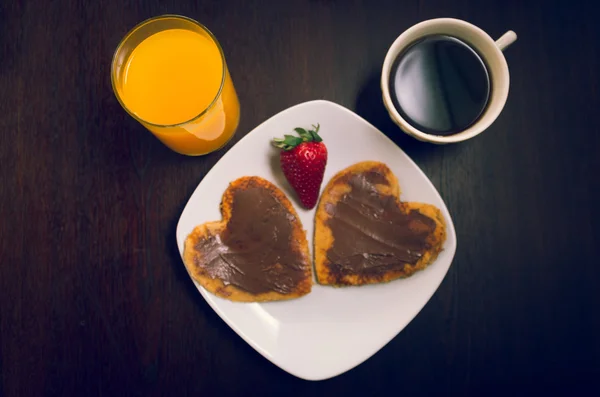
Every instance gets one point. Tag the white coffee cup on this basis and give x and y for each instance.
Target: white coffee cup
(490, 52)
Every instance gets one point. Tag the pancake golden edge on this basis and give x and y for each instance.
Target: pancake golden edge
(334, 191)
(298, 243)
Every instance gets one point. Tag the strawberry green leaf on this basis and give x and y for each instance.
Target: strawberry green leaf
(292, 140)
(305, 135)
(315, 136)
(314, 133)
(300, 131)
(289, 141)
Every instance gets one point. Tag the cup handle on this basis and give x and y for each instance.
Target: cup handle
(507, 39)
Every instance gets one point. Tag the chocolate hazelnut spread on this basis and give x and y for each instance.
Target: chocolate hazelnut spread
(372, 235)
(255, 251)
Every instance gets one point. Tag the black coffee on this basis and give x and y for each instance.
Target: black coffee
(440, 85)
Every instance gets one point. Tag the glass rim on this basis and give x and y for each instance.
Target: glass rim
(137, 27)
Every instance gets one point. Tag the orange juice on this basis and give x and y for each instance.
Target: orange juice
(174, 80)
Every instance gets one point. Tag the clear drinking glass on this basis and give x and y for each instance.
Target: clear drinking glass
(170, 74)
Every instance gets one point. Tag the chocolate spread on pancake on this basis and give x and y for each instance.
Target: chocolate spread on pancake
(371, 233)
(254, 252)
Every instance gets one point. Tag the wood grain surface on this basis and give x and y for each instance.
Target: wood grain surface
(94, 298)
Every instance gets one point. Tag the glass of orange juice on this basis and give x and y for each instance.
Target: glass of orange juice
(169, 73)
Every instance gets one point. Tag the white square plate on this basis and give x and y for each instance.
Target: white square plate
(330, 330)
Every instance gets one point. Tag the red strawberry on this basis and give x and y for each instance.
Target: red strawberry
(303, 160)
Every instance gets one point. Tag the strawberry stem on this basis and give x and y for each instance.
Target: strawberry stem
(289, 141)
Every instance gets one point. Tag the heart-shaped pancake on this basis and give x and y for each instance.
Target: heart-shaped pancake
(364, 234)
(258, 252)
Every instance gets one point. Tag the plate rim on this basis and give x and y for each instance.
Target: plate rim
(450, 230)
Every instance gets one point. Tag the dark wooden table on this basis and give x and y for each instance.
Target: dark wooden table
(94, 299)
